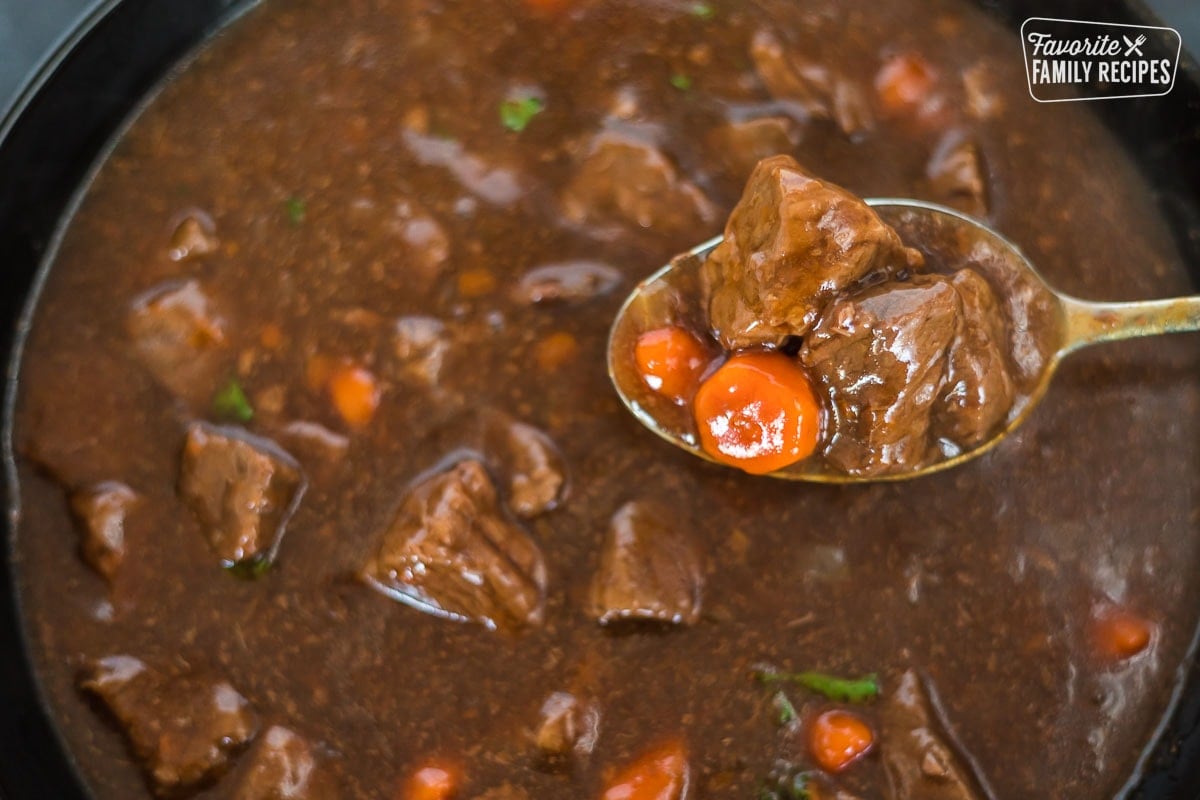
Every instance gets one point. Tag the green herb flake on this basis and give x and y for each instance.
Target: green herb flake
(797, 788)
(296, 209)
(841, 690)
(231, 403)
(681, 82)
(787, 711)
(702, 10)
(516, 113)
(250, 569)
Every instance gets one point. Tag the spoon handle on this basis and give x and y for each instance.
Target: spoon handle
(1089, 322)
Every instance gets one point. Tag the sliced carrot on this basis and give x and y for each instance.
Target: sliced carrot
(555, 350)
(355, 394)
(758, 412)
(838, 738)
(904, 84)
(1119, 633)
(670, 361)
(430, 782)
(271, 336)
(658, 774)
(476, 283)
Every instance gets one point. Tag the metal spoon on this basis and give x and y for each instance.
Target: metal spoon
(1046, 326)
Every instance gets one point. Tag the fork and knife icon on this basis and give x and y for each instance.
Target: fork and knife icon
(1134, 46)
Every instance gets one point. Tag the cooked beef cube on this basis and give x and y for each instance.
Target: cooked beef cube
(881, 357)
(792, 244)
(243, 488)
(649, 570)
(920, 762)
(741, 145)
(529, 463)
(806, 85)
(979, 385)
(567, 726)
(179, 338)
(195, 235)
(184, 729)
(957, 176)
(626, 181)
(100, 511)
(420, 345)
(569, 282)
(428, 245)
(283, 766)
(815, 91)
(450, 551)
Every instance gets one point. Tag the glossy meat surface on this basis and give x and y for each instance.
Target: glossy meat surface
(357, 173)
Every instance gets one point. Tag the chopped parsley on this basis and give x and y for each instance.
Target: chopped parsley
(296, 209)
(249, 569)
(703, 10)
(231, 403)
(841, 690)
(681, 82)
(787, 711)
(517, 112)
(795, 786)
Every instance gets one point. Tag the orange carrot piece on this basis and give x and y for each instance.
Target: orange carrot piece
(659, 774)
(555, 351)
(430, 782)
(837, 739)
(355, 394)
(758, 412)
(904, 84)
(670, 361)
(1119, 633)
(476, 283)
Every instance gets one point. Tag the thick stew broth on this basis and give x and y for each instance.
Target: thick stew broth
(320, 176)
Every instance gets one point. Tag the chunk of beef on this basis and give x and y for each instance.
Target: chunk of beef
(184, 729)
(194, 236)
(649, 570)
(789, 78)
(450, 551)
(243, 488)
(420, 345)
(918, 757)
(979, 385)
(568, 282)
(741, 145)
(100, 511)
(625, 181)
(567, 725)
(812, 88)
(428, 245)
(792, 244)
(957, 176)
(179, 337)
(881, 356)
(494, 183)
(529, 463)
(284, 766)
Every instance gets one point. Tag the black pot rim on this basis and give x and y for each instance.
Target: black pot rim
(34, 747)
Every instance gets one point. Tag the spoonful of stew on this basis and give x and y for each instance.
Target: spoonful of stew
(833, 339)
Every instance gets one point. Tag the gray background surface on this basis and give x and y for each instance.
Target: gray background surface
(29, 27)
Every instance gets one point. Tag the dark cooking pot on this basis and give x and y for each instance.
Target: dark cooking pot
(79, 100)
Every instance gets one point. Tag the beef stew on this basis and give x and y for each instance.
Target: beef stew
(912, 550)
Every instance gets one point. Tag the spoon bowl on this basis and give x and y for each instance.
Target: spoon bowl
(1046, 326)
